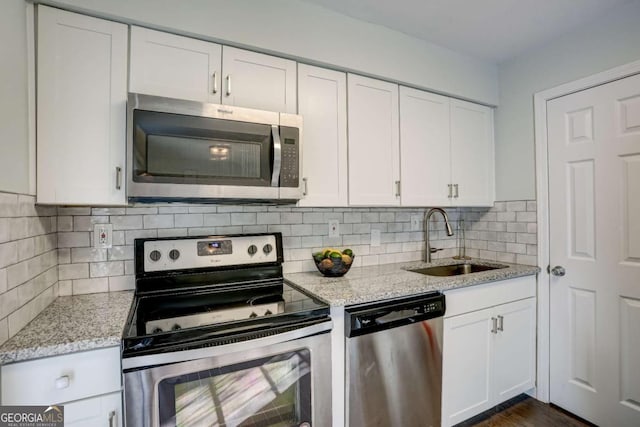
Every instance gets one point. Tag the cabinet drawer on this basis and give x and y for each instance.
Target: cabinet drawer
(101, 411)
(477, 297)
(62, 378)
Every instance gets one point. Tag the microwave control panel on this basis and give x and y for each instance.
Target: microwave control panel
(290, 142)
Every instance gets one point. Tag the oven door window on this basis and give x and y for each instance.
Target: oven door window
(273, 391)
(173, 148)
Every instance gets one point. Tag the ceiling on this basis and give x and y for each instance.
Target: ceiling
(493, 30)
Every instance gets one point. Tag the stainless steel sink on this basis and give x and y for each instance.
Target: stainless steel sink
(456, 269)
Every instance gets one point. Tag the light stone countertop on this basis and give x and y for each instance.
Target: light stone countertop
(380, 282)
(71, 324)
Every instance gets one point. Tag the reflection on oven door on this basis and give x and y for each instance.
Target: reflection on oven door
(273, 391)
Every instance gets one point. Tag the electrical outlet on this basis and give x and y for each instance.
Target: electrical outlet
(375, 238)
(415, 222)
(334, 228)
(103, 235)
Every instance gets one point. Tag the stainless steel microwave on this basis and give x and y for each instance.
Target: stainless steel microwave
(181, 150)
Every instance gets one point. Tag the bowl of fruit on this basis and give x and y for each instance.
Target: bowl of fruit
(333, 262)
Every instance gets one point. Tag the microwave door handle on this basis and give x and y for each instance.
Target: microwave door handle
(277, 156)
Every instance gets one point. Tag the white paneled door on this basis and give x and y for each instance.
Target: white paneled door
(594, 202)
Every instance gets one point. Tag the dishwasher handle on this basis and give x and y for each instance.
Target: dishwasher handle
(367, 319)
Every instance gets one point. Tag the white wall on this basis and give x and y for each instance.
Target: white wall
(312, 33)
(14, 147)
(611, 41)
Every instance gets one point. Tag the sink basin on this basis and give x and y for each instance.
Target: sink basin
(456, 269)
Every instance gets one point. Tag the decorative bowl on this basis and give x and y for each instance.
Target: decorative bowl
(333, 266)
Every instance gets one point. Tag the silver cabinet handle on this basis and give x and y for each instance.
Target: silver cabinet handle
(113, 420)
(305, 189)
(500, 323)
(215, 82)
(450, 191)
(494, 327)
(118, 177)
(558, 270)
(455, 187)
(229, 85)
(397, 188)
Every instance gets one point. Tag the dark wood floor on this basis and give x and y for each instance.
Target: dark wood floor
(524, 411)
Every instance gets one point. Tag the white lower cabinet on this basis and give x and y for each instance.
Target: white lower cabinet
(489, 347)
(88, 384)
(101, 411)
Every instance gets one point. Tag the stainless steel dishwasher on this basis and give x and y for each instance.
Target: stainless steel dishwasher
(394, 362)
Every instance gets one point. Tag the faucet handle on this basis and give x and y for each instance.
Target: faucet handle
(434, 250)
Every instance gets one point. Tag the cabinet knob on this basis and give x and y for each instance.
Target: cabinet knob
(500, 323)
(450, 186)
(215, 83)
(113, 420)
(455, 189)
(62, 382)
(397, 188)
(305, 190)
(229, 85)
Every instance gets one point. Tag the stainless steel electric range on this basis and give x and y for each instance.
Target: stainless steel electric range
(216, 337)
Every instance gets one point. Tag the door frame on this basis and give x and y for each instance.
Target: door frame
(542, 199)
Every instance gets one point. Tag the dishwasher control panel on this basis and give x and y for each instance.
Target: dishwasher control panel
(368, 318)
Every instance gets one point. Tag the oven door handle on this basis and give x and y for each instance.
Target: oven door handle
(277, 155)
(201, 353)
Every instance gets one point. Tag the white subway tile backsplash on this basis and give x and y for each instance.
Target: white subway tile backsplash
(73, 239)
(73, 271)
(158, 221)
(216, 220)
(268, 218)
(126, 222)
(90, 286)
(86, 223)
(120, 253)
(506, 216)
(3, 281)
(88, 254)
(46, 251)
(106, 269)
(121, 283)
(526, 216)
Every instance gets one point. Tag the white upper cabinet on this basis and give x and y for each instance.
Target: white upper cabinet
(447, 151)
(180, 67)
(164, 64)
(374, 149)
(472, 154)
(424, 148)
(255, 80)
(81, 110)
(322, 102)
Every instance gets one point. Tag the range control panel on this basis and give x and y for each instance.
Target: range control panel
(192, 253)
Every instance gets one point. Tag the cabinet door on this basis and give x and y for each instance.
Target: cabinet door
(424, 148)
(322, 103)
(164, 64)
(515, 349)
(82, 91)
(102, 411)
(255, 80)
(467, 354)
(472, 154)
(374, 149)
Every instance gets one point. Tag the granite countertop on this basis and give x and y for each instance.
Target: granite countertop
(378, 282)
(71, 324)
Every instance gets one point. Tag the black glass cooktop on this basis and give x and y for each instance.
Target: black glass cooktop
(217, 315)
